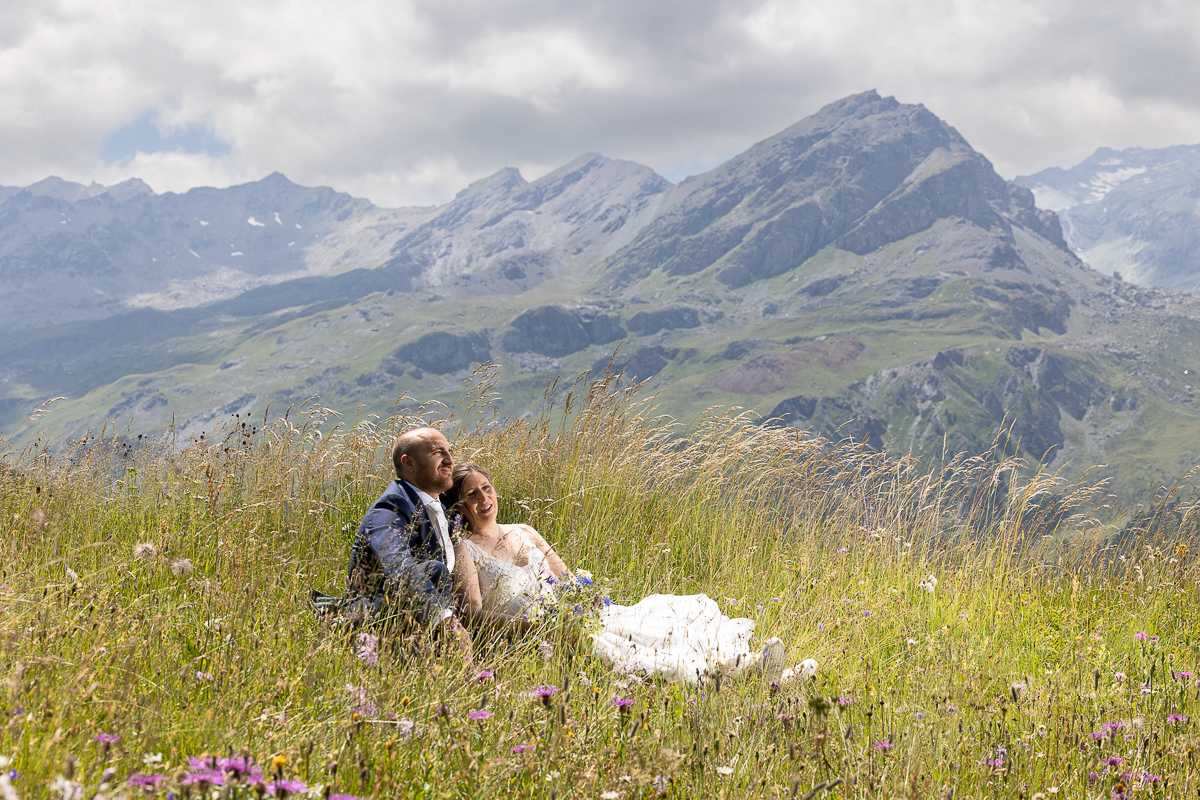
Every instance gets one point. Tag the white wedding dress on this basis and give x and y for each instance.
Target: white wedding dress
(681, 637)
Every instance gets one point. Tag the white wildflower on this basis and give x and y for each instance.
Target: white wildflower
(609, 795)
(152, 759)
(66, 789)
(72, 575)
(724, 770)
(929, 584)
(181, 566)
(144, 551)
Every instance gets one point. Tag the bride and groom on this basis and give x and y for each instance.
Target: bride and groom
(405, 554)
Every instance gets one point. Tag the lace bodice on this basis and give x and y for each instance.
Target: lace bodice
(507, 588)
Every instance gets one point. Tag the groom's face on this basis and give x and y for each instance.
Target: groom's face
(430, 465)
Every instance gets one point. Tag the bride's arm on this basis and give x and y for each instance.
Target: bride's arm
(466, 583)
(557, 566)
(470, 596)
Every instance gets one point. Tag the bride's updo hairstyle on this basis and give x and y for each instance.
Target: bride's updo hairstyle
(462, 471)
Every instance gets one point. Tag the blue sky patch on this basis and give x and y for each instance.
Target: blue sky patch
(144, 136)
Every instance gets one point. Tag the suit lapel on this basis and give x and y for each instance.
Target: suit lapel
(428, 536)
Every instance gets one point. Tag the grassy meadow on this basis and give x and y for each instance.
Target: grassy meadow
(981, 630)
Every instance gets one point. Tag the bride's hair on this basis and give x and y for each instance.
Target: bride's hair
(461, 472)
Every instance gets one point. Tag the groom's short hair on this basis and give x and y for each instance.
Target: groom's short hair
(406, 444)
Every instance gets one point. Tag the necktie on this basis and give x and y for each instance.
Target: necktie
(437, 516)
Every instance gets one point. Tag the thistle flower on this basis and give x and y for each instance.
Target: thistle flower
(545, 692)
(479, 714)
(106, 738)
(484, 675)
(622, 704)
(521, 748)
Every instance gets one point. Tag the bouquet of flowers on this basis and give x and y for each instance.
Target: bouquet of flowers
(579, 596)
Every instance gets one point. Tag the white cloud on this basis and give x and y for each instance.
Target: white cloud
(406, 101)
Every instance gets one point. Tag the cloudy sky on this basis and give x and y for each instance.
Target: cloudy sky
(407, 101)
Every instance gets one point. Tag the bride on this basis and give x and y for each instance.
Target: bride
(501, 572)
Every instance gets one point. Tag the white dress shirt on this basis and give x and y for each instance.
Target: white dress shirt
(437, 516)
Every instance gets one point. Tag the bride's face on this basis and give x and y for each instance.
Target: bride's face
(477, 500)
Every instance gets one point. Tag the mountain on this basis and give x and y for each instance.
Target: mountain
(863, 273)
(1133, 212)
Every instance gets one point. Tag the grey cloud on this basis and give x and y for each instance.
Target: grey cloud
(402, 97)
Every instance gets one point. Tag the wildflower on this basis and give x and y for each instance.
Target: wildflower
(929, 584)
(843, 550)
(609, 795)
(484, 675)
(146, 779)
(283, 788)
(867, 613)
(1177, 718)
(67, 789)
(546, 651)
(775, 688)
(583, 577)
(144, 551)
(366, 649)
(759, 608)
(884, 745)
(584, 679)
(1119, 676)
(606, 600)
(1114, 761)
(181, 566)
(406, 726)
(622, 704)
(1141, 637)
(545, 692)
(151, 759)
(1183, 676)
(845, 700)
(724, 770)
(347, 797)
(204, 676)
(106, 738)
(479, 714)
(521, 748)
(920, 716)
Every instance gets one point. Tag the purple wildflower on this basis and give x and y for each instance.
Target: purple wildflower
(1183, 676)
(622, 704)
(1141, 637)
(106, 738)
(522, 748)
(485, 675)
(1177, 718)
(920, 715)
(843, 550)
(1114, 761)
(1115, 725)
(884, 745)
(606, 600)
(845, 700)
(759, 608)
(146, 779)
(284, 788)
(366, 649)
(545, 691)
(347, 797)
(479, 714)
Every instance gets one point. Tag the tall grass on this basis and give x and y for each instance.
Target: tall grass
(153, 609)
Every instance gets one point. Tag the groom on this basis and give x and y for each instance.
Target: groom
(402, 555)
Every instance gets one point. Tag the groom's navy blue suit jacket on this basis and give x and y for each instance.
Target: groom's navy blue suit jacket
(397, 559)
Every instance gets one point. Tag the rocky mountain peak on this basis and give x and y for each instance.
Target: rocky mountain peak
(862, 172)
